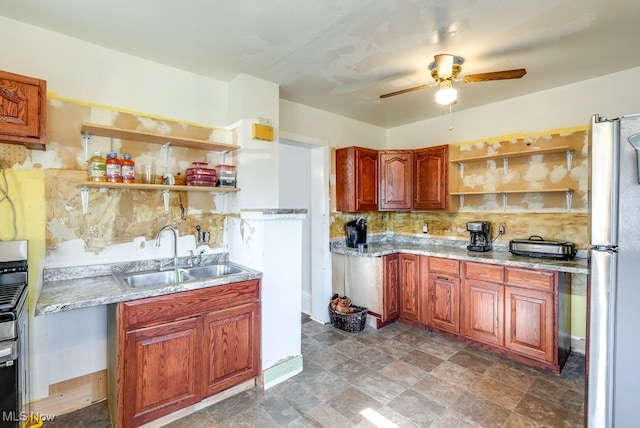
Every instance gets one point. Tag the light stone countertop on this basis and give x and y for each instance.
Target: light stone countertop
(79, 287)
(452, 249)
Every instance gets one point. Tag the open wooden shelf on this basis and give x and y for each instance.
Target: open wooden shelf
(532, 152)
(150, 137)
(497, 192)
(505, 195)
(170, 187)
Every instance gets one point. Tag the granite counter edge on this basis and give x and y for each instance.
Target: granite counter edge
(578, 266)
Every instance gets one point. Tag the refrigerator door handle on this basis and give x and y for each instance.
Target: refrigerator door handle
(635, 142)
(604, 182)
(601, 313)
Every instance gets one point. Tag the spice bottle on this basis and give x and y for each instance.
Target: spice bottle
(128, 169)
(114, 168)
(97, 167)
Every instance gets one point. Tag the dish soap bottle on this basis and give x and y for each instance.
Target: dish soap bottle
(97, 168)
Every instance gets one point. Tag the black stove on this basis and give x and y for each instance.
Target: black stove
(14, 396)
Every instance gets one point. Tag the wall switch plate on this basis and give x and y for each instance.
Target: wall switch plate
(425, 228)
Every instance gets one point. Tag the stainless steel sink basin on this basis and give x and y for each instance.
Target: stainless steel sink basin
(200, 272)
(175, 276)
(150, 279)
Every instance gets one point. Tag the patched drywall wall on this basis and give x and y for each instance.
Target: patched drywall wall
(527, 174)
(528, 211)
(123, 219)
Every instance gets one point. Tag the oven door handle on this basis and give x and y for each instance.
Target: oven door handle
(8, 351)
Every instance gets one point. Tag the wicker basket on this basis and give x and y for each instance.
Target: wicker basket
(353, 323)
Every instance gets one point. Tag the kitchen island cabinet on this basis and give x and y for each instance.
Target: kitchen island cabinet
(172, 351)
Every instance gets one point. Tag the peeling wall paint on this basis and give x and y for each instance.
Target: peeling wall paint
(117, 219)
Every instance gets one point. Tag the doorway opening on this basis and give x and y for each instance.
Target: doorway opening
(304, 183)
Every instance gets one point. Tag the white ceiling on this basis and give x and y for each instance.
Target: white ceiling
(341, 55)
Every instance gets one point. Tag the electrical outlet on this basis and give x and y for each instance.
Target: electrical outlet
(425, 228)
(502, 229)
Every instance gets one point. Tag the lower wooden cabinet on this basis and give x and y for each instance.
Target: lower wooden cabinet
(231, 342)
(163, 370)
(483, 311)
(390, 288)
(171, 351)
(529, 323)
(523, 314)
(440, 288)
(409, 280)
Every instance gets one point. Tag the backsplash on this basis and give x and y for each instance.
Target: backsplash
(571, 227)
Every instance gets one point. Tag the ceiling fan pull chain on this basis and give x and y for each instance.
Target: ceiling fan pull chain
(450, 119)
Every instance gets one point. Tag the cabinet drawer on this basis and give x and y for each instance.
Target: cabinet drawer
(448, 266)
(170, 307)
(531, 278)
(484, 272)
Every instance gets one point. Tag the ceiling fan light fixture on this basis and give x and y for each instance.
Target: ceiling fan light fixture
(447, 94)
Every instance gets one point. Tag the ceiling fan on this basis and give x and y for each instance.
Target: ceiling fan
(445, 70)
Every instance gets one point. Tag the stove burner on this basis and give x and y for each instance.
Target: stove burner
(9, 296)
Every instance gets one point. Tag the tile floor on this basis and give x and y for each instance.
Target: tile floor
(393, 377)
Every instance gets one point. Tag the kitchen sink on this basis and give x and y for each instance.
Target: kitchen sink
(174, 276)
(200, 272)
(152, 278)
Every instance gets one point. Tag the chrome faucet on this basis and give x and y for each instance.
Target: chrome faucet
(175, 245)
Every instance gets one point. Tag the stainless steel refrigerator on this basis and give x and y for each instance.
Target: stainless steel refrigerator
(613, 336)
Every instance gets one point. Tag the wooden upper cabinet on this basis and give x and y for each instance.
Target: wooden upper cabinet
(430, 178)
(23, 110)
(356, 179)
(396, 179)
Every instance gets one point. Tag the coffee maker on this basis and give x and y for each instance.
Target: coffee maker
(480, 236)
(357, 232)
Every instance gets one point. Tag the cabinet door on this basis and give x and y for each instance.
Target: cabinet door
(529, 323)
(396, 180)
(430, 178)
(390, 309)
(23, 110)
(409, 278)
(444, 302)
(356, 179)
(162, 370)
(483, 311)
(231, 347)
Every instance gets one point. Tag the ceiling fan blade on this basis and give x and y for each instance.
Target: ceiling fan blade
(404, 91)
(495, 75)
(444, 65)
